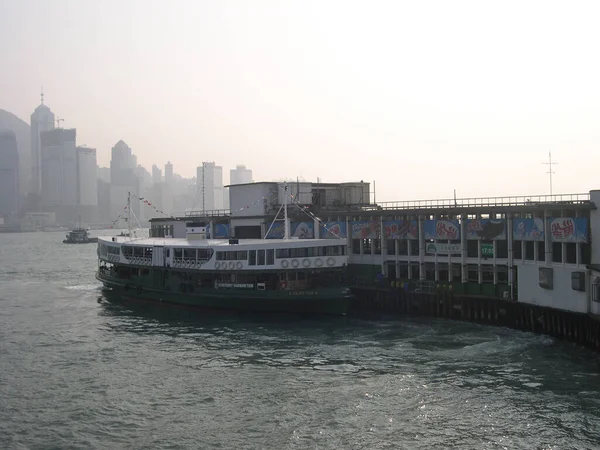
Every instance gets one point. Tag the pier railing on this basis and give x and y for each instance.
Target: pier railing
(522, 200)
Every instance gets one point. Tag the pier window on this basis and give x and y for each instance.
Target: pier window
(367, 246)
(403, 271)
(270, 257)
(390, 245)
(414, 247)
(473, 273)
(356, 246)
(571, 253)
(430, 271)
(557, 252)
(502, 249)
(586, 253)
(403, 247)
(414, 271)
(472, 249)
(260, 257)
(487, 274)
(456, 272)
(541, 248)
(517, 250)
(502, 272)
(377, 246)
(443, 270)
(529, 250)
(252, 258)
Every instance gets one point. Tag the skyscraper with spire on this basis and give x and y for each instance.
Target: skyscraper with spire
(42, 119)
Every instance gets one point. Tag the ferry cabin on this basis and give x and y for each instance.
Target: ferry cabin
(191, 265)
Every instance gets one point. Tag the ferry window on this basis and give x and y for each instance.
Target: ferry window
(168, 252)
(344, 250)
(356, 246)
(556, 252)
(261, 257)
(270, 257)
(221, 256)
(252, 258)
(177, 252)
(204, 254)
(231, 256)
(189, 253)
(502, 249)
(148, 252)
(320, 251)
(517, 250)
(283, 253)
(138, 251)
(242, 256)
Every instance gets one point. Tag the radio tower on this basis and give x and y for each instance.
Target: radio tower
(550, 163)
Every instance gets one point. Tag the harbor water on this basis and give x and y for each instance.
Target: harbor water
(78, 371)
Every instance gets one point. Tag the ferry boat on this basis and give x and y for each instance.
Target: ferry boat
(280, 275)
(79, 236)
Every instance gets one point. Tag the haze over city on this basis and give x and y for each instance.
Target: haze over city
(423, 98)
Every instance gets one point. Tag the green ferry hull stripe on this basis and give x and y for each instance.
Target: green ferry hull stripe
(334, 301)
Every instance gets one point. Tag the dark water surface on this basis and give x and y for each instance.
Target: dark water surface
(76, 373)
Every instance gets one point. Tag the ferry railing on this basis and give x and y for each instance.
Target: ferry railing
(205, 213)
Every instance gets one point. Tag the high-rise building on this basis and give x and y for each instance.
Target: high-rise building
(87, 183)
(42, 120)
(169, 174)
(124, 182)
(9, 176)
(240, 175)
(59, 173)
(209, 186)
(156, 174)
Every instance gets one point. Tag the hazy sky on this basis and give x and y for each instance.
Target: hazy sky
(423, 97)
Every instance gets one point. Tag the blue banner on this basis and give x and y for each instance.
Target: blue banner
(442, 229)
(486, 229)
(366, 229)
(528, 229)
(301, 230)
(331, 230)
(401, 229)
(221, 231)
(569, 229)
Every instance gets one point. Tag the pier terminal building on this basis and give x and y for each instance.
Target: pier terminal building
(537, 250)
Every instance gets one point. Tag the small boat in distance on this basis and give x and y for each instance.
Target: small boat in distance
(79, 235)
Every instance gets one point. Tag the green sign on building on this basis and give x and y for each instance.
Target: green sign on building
(487, 250)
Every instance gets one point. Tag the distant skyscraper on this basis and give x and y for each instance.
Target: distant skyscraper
(156, 174)
(240, 175)
(169, 174)
(42, 119)
(59, 172)
(210, 186)
(9, 176)
(123, 180)
(87, 183)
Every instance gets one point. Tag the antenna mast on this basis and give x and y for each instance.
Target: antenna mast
(286, 226)
(550, 163)
(42, 95)
(58, 121)
(129, 213)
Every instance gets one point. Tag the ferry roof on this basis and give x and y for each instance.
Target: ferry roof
(213, 243)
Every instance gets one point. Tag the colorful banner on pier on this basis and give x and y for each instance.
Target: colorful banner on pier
(221, 231)
(569, 229)
(487, 229)
(301, 230)
(333, 230)
(442, 229)
(528, 229)
(401, 229)
(366, 229)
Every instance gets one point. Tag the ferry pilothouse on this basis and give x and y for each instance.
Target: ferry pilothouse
(287, 275)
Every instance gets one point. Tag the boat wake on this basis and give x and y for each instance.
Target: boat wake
(85, 287)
